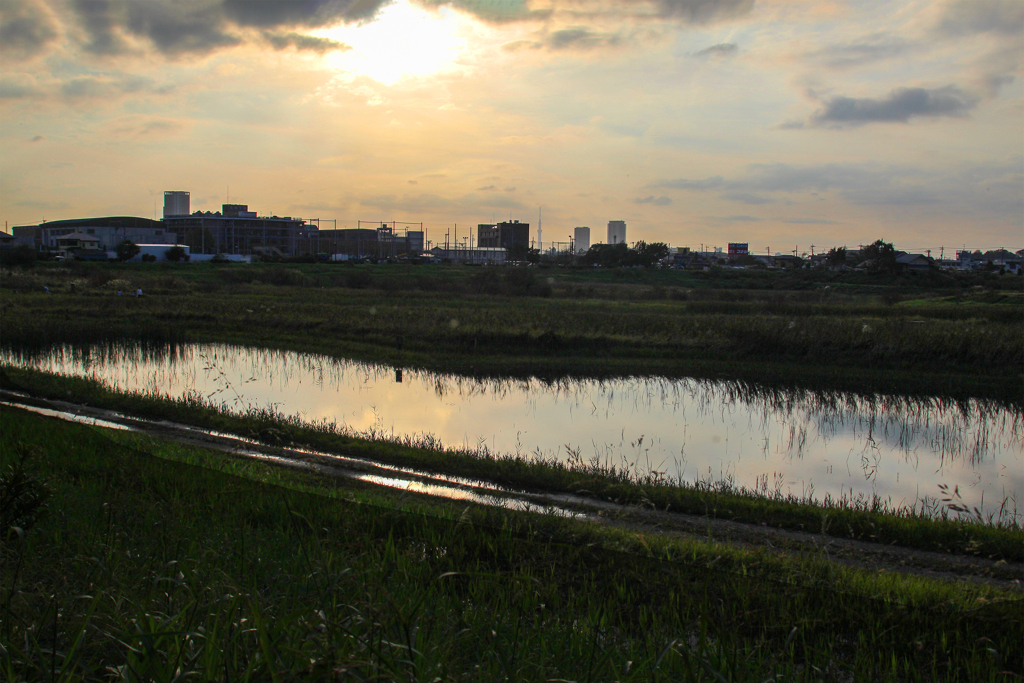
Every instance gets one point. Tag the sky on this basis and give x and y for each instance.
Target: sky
(779, 123)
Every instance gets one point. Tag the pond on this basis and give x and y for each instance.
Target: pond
(809, 444)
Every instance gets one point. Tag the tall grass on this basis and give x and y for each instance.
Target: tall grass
(149, 569)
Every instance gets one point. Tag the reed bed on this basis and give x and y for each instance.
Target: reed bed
(816, 338)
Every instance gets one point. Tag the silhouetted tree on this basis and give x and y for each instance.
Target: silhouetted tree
(126, 250)
(836, 256)
(882, 256)
(176, 253)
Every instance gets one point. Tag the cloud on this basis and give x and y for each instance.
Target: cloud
(807, 221)
(991, 189)
(305, 13)
(746, 198)
(485, 189)
(496, 11)
(657, 201)
(899, 106)
(18, 86)
(685, 184)
(704, 11)
(579, 37)
(740, 219)
(720, 50)
(37, 138)
(26, 29)
(298, 41)
(94, 87)
(874, 48)
(175, 28)
(965, 17)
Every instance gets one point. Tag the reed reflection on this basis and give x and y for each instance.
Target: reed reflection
(825, 442)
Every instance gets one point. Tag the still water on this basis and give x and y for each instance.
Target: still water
(810, 444)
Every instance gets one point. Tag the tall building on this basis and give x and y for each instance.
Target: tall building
(504, 234)
(581, 240)
(616, 232)
(176, 203)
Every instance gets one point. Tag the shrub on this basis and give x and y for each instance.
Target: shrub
(126, 250)
(22, 255)
(176, 253)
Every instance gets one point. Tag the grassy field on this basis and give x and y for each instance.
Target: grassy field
(927, 335)
(155, 561)
(145, 560)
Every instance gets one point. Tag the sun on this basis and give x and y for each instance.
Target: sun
(402, 41)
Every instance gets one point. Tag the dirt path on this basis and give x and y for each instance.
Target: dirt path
(871, 556)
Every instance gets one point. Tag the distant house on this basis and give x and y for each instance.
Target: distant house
(914, 262)
(76, 243)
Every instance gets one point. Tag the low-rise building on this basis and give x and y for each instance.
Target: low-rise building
(106, 232)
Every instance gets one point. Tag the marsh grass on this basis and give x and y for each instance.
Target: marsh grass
(927, 524)
(154, 569)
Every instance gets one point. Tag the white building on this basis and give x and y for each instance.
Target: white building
(616, 232)
(581, 240)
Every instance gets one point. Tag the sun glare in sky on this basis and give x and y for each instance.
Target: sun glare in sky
(402, 41)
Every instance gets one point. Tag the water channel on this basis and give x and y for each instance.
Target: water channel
(808, 444)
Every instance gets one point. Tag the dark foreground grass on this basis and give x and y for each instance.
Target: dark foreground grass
(153, 569)
(861, 519)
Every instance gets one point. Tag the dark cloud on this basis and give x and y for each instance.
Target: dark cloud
(851, 55)
(26, 29)
(202, 26)
(37, 138)
(899, 106)
(657, 201)
(100, 20)
(486, 189)
(175, 28)
(964, 17)
(305, 13)
(720, 50)
(741, 219)
(298, 41)
(579, 37)
(704, 11)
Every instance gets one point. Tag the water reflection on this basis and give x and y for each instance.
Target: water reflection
(805, 443)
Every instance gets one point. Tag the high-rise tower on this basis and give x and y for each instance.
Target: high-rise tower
(581, 240)
(616, 232)
(176, 203)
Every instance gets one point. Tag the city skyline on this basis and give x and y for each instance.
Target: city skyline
(777, 123)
